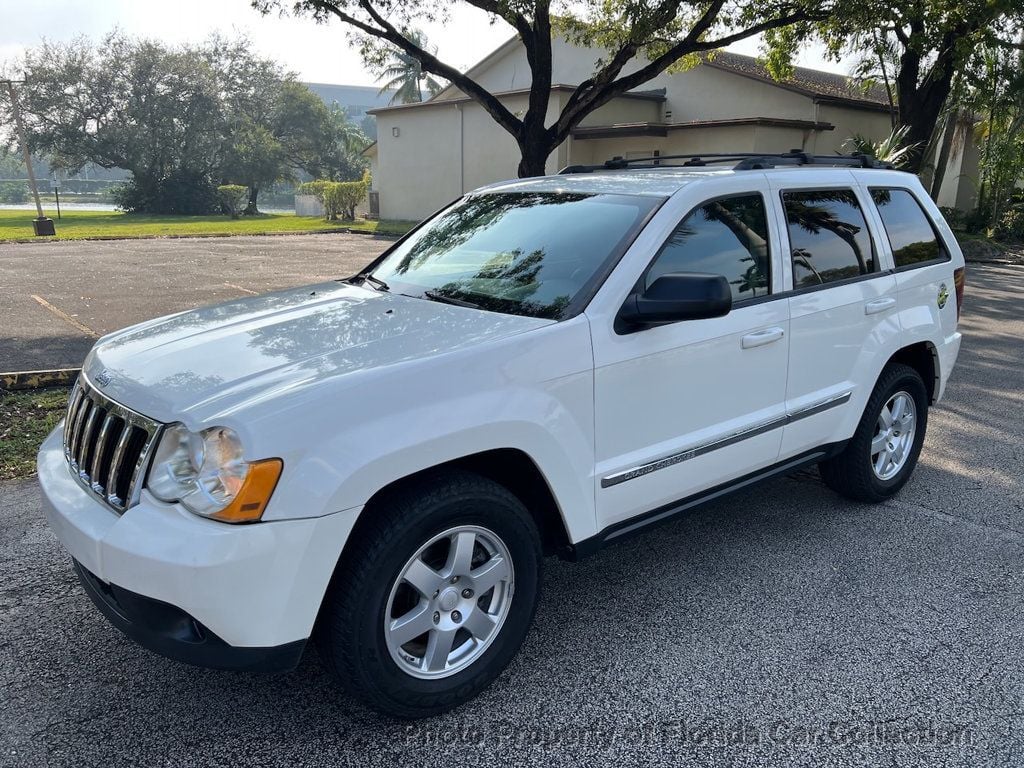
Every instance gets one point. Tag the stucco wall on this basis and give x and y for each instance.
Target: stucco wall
(849, 122)
(443, 150)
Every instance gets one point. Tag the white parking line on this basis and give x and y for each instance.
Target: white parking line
(240, 288)
(65, 316)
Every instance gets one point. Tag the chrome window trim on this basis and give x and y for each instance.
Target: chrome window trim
(691, 453)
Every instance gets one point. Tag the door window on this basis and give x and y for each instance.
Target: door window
(828, 236)
(728, 237)
(910, 233)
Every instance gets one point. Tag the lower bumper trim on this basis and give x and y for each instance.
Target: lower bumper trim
(169, 631)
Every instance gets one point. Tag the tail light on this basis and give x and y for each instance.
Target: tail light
(959, 281)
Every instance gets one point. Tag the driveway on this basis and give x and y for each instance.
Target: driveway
(783, 627)
(57, 298)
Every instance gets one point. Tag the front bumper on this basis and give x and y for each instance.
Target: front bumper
(171, 632)
(248, 588)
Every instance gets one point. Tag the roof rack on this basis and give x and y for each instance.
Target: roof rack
(742, 161)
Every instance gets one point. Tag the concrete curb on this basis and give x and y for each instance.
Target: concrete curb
(23, 380)
(198, 235)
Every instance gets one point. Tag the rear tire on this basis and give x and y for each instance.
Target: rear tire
(433, 596)
(880, 457)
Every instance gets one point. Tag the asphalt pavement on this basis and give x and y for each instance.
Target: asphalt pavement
(784, 626)
(56, 298)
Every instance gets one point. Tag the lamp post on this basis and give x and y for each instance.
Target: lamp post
(42, 225)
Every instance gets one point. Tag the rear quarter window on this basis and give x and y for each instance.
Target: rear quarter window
(911, 234)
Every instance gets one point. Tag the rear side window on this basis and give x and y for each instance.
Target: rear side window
(828, 236)
(728, 237)
(910, 233)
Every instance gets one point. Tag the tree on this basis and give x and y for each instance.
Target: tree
(407, 78)
(132, 104)
(642, 40)
(181, 119)
(920, 45)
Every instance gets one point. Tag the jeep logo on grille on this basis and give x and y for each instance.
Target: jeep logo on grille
(102, 378)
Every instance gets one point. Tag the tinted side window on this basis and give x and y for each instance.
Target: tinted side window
(828, 235)
(726, 237)
(911, 235)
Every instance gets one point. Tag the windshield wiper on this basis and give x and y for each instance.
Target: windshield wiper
(444, 299)
(376, 282)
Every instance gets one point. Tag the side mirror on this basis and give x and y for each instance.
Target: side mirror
(678, 296)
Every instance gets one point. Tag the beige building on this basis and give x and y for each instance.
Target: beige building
(429, 153)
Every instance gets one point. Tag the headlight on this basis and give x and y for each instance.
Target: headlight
(206, 473)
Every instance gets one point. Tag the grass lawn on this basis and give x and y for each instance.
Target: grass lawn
(26, 418)
(83, 225)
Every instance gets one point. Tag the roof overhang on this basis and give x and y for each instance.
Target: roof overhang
(618, 130)
(657, 95)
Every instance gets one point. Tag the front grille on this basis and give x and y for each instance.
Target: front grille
(107, 445)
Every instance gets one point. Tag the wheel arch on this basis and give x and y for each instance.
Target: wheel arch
(923, 357)
(511, 468)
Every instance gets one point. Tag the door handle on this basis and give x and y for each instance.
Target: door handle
(879, 305)
(762, 337)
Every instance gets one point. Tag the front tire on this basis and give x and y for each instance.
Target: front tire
(883, 452)
(433, 596)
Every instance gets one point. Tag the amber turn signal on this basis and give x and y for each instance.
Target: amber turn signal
(254, 495)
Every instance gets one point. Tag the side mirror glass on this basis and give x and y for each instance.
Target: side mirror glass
(678, 296)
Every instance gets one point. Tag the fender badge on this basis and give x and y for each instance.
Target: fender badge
(943, 295)
(103, 377)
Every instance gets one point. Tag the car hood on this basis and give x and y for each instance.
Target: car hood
(216, 359)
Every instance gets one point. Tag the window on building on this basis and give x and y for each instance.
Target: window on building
(828, 236)
(910, 233)
(728, 237)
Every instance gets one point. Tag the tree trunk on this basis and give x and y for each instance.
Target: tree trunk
(534, 157)
(942, 159)
(251, 209)
(921, 99)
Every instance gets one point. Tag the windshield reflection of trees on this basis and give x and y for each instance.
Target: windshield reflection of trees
(815, 212)
(512, 277)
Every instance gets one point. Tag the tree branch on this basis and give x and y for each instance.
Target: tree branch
(428, 61)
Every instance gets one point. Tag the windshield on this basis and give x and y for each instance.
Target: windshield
(523, 253)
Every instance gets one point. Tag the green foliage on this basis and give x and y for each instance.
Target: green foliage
(1011, 224)
(956, 218)
(170, 115)
(13, 192)
(404, 74)
(892, 149)
(232, 198)
(182, 192)
(339, 198)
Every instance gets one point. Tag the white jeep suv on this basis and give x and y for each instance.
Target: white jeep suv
(545, 366)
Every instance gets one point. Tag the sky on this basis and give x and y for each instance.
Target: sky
(316, 53)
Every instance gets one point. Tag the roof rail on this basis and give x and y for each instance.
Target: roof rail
(742, 161)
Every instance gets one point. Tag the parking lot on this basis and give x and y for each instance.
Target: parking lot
(57, 298)
(781, 627)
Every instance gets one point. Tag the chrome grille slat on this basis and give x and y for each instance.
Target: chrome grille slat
(76, 434)
(115, 466)
(107, 445)
(87, 442)
(100, 451)
(74, 403)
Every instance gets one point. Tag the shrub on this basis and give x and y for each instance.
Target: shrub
(180, 192)
(338, 197)
(976, 221)
(1011, 224)
(233, 199)
(13, 192)
(956, 218)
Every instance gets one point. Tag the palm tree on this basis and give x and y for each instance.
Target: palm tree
(406, 77)
(892, 149)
